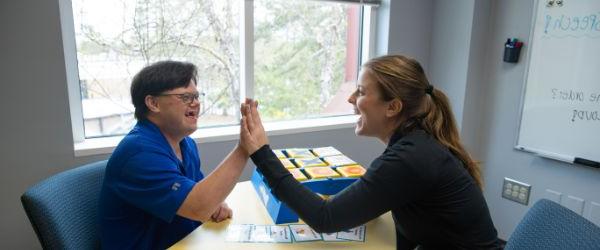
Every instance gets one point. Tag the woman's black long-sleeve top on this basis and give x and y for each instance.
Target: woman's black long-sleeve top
(434, 201)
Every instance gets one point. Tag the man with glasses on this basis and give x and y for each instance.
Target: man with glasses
(154, 192)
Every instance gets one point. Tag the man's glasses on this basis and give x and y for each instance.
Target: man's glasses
(187, 98)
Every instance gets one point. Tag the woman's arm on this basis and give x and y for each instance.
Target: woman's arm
(355, 205)
(359, 203)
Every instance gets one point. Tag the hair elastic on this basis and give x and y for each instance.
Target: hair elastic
(429, 90)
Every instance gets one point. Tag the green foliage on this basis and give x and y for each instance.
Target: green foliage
(293, 42)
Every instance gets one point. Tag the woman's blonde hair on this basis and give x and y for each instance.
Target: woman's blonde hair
(403, 78)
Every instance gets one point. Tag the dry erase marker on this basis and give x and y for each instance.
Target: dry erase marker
(586, 162)
(569, 159)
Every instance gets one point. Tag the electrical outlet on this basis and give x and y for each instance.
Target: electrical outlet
(516, 191)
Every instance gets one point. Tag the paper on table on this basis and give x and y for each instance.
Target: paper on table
(238, 233)
(302, 233)
(354, 234)
(331, 237)
(281, 234)
(258, 233)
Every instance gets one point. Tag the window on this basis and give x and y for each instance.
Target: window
(306, 55)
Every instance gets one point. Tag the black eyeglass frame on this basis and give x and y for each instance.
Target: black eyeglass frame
(186, 98)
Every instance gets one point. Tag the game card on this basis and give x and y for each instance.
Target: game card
(303, 233)
(238, 233)
(331, 237)
(353, 234)
(326, 151)
(260, 233)
(280, 234)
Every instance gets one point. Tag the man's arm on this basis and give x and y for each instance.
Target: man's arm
(206, 196)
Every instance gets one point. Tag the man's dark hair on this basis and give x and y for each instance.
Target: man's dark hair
(157, 78)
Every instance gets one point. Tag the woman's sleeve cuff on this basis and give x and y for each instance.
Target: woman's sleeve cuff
(262, 153)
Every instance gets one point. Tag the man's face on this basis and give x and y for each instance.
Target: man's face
(179, 110)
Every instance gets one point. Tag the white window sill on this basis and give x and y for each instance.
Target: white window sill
(106, 145)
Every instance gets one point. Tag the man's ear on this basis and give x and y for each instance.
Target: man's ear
(394, 108)
(152, 103)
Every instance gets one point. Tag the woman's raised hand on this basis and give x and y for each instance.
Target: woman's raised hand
(252, 132)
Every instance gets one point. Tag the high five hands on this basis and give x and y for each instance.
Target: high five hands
(252, 132)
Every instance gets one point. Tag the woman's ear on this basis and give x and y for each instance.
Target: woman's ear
(152, 103)
(394, 108)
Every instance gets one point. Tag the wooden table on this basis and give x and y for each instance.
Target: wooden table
(248, 209)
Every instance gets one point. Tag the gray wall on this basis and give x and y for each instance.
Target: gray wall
(500, 118)
(408, 26)
(466, 62)
(456, 62)
(450, 50)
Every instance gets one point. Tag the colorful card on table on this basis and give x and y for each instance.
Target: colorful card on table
(321, 172)
(310, 162)
(326, 151)
(351, 171)
(339, 160)
(297, 173)
(287, 163)
(302, 232)
(279, 153)
(299, 153)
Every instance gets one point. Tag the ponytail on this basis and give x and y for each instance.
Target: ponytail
(424, 106)
(438, 120)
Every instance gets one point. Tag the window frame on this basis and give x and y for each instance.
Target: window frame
(104, 145)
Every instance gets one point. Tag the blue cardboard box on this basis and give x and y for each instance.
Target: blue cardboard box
(281, 213)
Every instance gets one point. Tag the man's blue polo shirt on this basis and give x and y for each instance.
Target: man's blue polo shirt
(144, 186)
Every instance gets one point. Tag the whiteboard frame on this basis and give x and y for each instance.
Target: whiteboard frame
(526, 76)
(537, 152)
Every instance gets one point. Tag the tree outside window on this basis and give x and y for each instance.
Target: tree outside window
(305, 56)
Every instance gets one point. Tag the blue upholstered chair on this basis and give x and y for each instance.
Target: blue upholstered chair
(548, 225)
(63, 209)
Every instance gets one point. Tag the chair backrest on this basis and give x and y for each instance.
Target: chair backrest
(548, 225)
(63, 209)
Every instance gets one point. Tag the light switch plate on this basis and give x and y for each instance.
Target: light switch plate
(553, 196)
(574, 203)
(516, 191)
(595, 213)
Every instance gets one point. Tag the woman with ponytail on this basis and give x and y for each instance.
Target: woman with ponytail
(425, 176)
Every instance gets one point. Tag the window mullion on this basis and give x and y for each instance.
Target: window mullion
(361, 2)
(247, 50)
(369, 21)
(73, 86)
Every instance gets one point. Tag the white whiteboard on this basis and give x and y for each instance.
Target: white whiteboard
(561, 102)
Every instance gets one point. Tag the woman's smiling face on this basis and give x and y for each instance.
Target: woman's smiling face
(371, 107)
